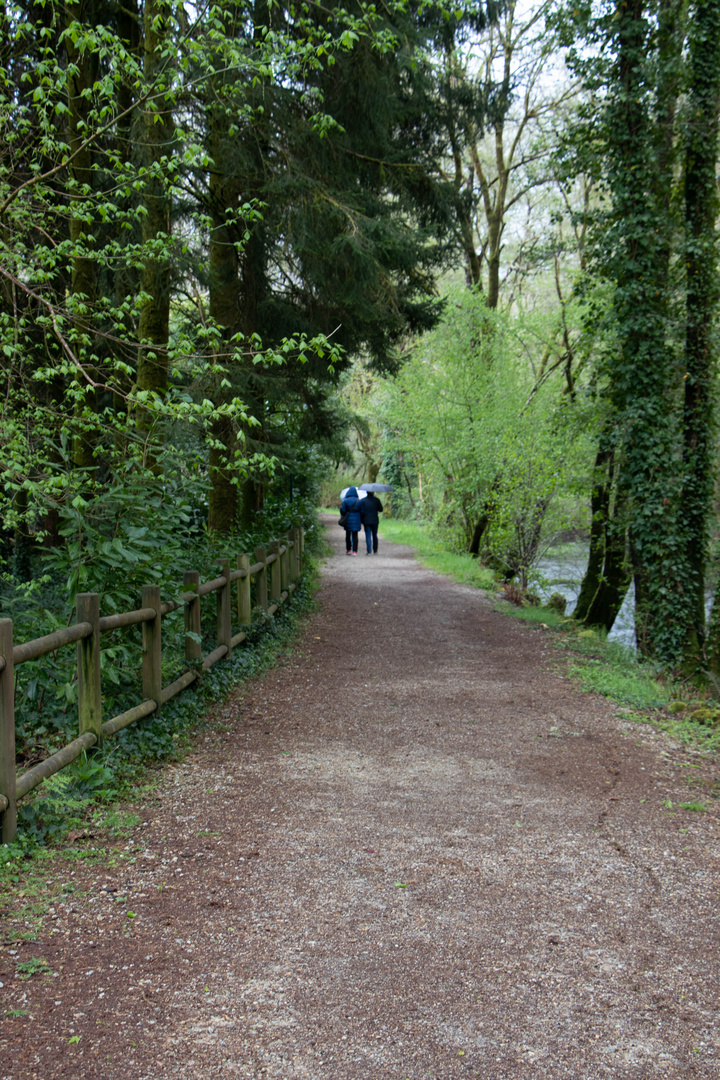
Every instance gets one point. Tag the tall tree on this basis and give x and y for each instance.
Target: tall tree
(499, 112)
(157, 127)
(660, 362)
(82, 74)
(702, 291)
(326, 193)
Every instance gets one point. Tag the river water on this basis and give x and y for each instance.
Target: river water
(562, 569)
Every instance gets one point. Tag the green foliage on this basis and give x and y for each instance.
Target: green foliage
(619, 678)
(492, 444)
(333, 484)
(47, 815)
(34, 966)
(132, 354)
(147, 532)
(546, 617)
(133, 531)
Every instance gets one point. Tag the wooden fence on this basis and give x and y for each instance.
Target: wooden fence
(275, 572)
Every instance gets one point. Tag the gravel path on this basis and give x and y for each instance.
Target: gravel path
(412, 852)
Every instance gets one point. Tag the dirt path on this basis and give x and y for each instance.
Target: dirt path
(416, 853)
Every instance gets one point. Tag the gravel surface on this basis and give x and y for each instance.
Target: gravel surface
(412, 851)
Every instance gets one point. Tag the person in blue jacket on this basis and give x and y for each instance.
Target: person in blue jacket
(351, 506)
(370, 507)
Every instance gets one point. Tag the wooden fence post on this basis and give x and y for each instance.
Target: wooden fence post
(224, 611)
(7, 732)
(87, 606)
(275, 579)
(152, 648)
(290, 555)
(294, 554)
(300, 549)
(261, 592)
(284, 563)
(193, 649)
(243, 591)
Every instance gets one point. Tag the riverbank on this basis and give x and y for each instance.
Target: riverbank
(600, 664)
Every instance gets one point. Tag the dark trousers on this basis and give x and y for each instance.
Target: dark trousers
(371, 537)
(351, 540)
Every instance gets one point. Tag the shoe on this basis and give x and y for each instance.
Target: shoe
(354, 552)
(348, 552)
(368, 552)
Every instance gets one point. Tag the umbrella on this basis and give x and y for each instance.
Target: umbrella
(375, 487)
(361, 493)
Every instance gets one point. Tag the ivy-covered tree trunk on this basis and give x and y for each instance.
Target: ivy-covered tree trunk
(608, 573)
(223, 287)
(712, 643)
(701, 261)
(157, 127)
(253, 266)
(641, 367)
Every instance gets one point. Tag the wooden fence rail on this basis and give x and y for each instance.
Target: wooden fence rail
(275, 574)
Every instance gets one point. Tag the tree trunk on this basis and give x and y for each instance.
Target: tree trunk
(126, 276)
(495, 231)
(478, 532)
(483, 521)
(82, 71)
(712, 643)
(224, 298)
(600, 511)
(616, 576)
(155, 280)
(223, 494)
(373, 468)
(701, 259)
(642, 368)
(22, 548)
(254, 286)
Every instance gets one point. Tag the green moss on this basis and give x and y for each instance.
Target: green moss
(705, 715)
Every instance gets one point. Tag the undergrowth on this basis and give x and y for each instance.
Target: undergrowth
(83, 794)
(46, 689)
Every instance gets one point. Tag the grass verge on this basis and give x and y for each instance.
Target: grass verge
(643, 693)
(461, 568)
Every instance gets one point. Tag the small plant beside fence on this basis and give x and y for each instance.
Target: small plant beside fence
(275, 572)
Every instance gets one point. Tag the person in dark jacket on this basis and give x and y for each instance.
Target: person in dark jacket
(370, 507)
(351, 505)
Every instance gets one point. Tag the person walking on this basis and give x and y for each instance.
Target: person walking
(351, 505)
(370, 507)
